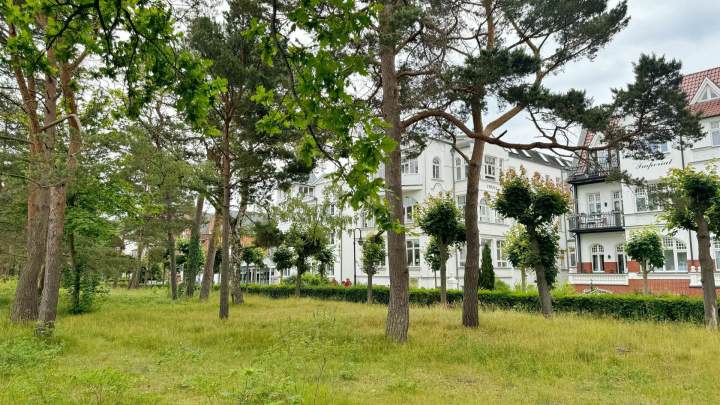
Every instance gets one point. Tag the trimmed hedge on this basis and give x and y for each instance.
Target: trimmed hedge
(639, 307)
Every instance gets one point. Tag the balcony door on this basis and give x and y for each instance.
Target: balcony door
(598, 258)
(594, 204)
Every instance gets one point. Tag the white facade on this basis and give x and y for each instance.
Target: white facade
(608, 212)
(439, 169)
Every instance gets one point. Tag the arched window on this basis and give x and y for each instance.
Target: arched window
(675, 252)
(436, 168)
(598, 258)
(620, 253)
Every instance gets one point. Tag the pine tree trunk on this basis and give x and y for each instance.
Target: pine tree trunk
(208, 271)
(398, 318)
(194, 244)
(237, 295)
(443, 275)
(707, 274)
(225, 266)
(369, 289)
(542, 284)
(470, 316)
(53, 262)
(135, 278)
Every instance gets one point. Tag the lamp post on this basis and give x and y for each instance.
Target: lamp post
(360, 242)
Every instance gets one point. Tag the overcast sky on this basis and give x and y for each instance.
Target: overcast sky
(688, 30)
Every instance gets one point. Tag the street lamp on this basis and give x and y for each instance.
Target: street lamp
(360, 242)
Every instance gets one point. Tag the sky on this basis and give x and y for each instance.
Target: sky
(687, 30)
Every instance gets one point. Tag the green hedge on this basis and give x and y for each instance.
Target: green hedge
(656, 308)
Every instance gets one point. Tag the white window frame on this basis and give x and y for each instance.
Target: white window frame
(490, 167)
(413, 252)
(500, 254)
(594, 203)
(461, 168)
(306, 191)
(436, 168)
(597, 251)
(461, 200)
(715, 132)
(642, 195)
(409, 166)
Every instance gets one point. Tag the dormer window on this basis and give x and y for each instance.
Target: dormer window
(708, 93)
(306, 191)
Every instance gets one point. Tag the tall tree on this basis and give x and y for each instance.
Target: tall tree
(693, 203)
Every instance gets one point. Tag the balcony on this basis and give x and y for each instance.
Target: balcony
(596, 222)
(595, 169)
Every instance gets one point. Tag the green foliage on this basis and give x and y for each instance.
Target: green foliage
(441, 218)
(284, 258)
(628, 306)
(688, 194)
(534, 204)
(432, 255)
(25, 352)
(307, 279)
(253, 256)
(373, 254)
(325, 260)
(517, 247)
(645, 247)
(487, 272)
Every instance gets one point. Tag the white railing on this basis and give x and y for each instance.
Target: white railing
(598, 278)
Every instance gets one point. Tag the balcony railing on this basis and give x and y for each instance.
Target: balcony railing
(594, 169)
(596, 221)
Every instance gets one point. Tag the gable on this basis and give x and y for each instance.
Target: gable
(707, 91)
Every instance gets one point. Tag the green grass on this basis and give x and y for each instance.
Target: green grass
(139, 347)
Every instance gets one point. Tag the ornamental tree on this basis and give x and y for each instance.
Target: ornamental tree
(693, 203)
(373, 256)
(536, 204)
(517, 246)
(441, 219)
(308, 241)
(645, 247)
(284, 258)
(487, 273)
(251, 256)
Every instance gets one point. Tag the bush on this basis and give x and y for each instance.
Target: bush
(639, 307)
(308, 279)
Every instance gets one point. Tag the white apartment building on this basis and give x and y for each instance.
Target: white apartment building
(606, 213)
(439, 169)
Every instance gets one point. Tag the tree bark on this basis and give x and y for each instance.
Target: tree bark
(194, 244)
(225, 266)
(542, 284)
(443, 275)
(707, 274)
(523, 280)
(208, 272)
(135, 278)
(237, 295)
(398, 318)
(646, 286)
(58, 203)
(470, 316)
(369, 289)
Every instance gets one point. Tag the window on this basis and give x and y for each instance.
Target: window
(675, 252)
(708, 94)
(502, 260)
(617, 201)
(461, 201)
(436, 168)
(408, 166)
(409, 205)
(366, 220)
(461, 169)
(306, 191)
(572, 257)
(715, 132)
(413, 252)
(660, 147)
(491, 167)
(646, 198)
(484, 211)
(462, 254)
(598, 258)
(594, 205)
(620, 253)
(716, 248)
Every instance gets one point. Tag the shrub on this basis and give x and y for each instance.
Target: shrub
(308, 279)
(639, 307)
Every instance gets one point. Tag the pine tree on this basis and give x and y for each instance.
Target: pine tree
(487, 273)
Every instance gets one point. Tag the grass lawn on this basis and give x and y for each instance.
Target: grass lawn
(139, 347)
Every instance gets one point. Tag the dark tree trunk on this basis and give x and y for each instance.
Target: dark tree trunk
(470, 316)
(369, 291)
(195, 244)
(135, 278)
(207, 279)
(646, 286)
(225, 266)
(707, 274)
(542, 284)
(398, 318)
(237, 294)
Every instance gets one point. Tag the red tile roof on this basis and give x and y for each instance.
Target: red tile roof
(691, 84)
